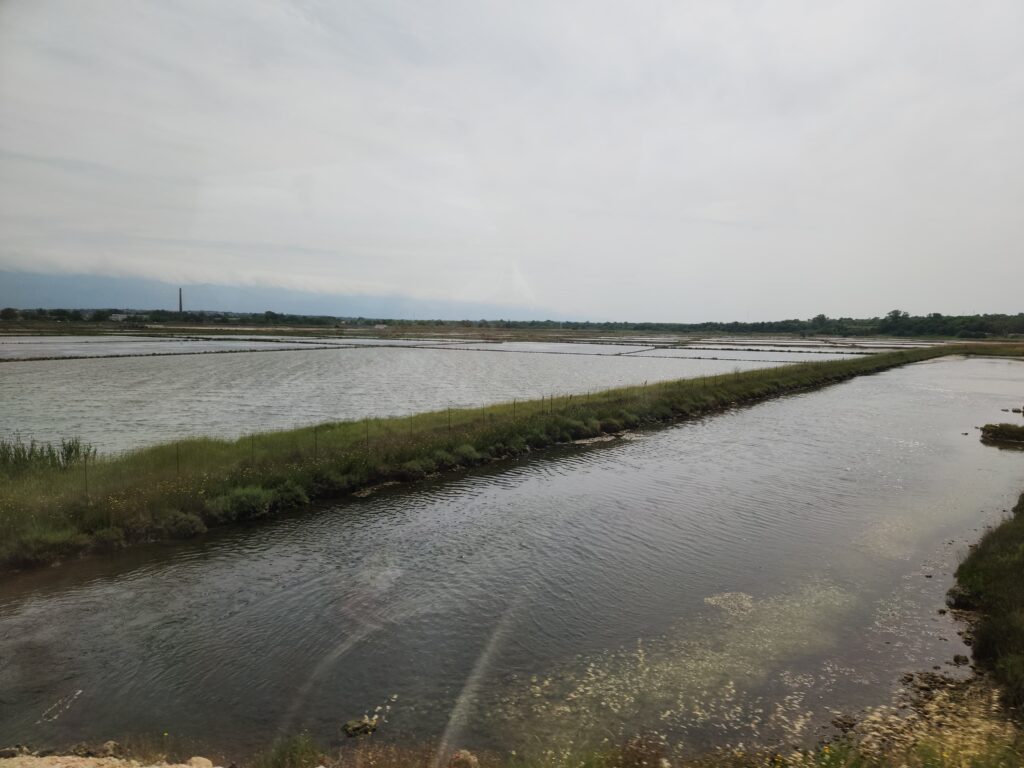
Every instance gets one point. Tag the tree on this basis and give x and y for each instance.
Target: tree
(8, 313)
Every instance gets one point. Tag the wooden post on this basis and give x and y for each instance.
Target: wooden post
(177, 459)
(252, 449)
(85, 467)
(315, 443)
(366, 425)
(513, 409)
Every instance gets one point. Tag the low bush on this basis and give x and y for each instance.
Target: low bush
(289, 495)
(182, 525)
(467, 455)
(108, 538)
(249, 502)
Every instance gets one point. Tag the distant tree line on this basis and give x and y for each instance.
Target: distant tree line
(895, 323)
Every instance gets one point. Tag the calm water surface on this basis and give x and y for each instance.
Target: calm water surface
(770, 559)
(121, 403)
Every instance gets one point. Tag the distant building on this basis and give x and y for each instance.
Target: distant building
(380, 326)
(118, 317)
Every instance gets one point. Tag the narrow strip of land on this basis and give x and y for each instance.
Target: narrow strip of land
(55, 504)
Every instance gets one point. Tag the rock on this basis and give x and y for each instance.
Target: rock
(200, 762)
(942, 611)
(362, 726)
(463, 759)
(113, 749)
(961, 660)
(16, 751)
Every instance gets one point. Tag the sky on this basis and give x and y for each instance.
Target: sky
(664, 161)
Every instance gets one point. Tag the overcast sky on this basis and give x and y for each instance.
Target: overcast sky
(642, 160)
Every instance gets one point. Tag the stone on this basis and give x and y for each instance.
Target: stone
(362, 726)
(463, 759)
(960, 660)
(200, 762)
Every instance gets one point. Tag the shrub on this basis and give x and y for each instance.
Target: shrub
(467, 455)
(183, 525)
(517, 446)
(108, 538)
(444, 460)
(248, 502)
(327, 483)
(414, 470)
(289, 495)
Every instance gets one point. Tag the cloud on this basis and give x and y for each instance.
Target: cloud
(676, 161)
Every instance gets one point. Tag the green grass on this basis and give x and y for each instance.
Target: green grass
(990, 580)
(180, 489)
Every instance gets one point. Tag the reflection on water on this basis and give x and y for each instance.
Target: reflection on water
(727, 579)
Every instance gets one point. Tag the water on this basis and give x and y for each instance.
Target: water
(771, 558)
(120, 403)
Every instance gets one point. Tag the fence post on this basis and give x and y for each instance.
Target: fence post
(177, 459)
(315, 442)
(85, 467)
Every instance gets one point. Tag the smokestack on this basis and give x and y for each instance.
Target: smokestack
(179, 301)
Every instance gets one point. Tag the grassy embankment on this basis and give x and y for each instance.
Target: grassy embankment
(990, 581)
(176, 490)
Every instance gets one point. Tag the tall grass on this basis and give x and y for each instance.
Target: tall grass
(179, 489)
(17, 456)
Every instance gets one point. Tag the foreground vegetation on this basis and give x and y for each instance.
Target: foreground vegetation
(952, 725)
(991, 581)
(180, 489)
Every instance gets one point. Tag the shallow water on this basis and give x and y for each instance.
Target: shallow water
(772, 559)
(122, 403)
